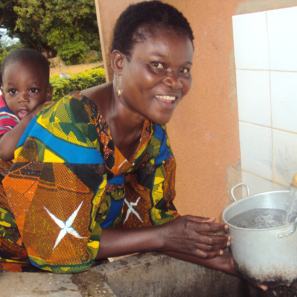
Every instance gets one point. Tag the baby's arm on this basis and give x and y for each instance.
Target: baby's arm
(10, 140)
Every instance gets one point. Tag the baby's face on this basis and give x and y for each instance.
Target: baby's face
(24, 87)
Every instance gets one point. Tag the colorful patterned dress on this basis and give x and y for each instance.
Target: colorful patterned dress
(70, 181)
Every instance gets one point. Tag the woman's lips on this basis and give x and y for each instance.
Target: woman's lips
(167, 101)
(22, 113)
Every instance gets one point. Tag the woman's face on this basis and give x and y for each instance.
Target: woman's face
(157, 76)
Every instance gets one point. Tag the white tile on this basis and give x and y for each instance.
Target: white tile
(256, 150)
(284, 100)
(256, 184)
(284, 156)
(250, 41)
(277, 187)
(253, 95)
(282, 37)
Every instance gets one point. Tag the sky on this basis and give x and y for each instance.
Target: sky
(6, 40)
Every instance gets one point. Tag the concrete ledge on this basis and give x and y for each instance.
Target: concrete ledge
(38, 284)
(142, 275)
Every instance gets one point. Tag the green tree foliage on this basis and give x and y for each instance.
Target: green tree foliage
(67, 28)
(3, 54)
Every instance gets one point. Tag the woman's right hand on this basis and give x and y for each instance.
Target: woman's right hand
(186, 234)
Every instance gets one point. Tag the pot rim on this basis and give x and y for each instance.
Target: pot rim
(246, 198)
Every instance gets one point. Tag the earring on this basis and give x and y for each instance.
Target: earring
(118, 90)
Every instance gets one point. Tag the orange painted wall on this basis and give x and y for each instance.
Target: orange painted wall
(206, 122)
(204, 129)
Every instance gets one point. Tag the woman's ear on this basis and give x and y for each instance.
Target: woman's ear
(117, 61)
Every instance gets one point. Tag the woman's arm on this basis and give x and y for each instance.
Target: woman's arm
(10, 140)
(182, 235)
(116, 242)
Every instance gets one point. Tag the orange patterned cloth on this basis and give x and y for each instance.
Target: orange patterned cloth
(69, 181)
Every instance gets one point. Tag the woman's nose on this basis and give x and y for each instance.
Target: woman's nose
(173, 80)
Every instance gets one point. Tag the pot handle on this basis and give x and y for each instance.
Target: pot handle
(236, 186)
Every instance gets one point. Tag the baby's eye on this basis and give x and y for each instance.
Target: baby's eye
(158, 65)
(184, 70)
(12, 91)
(34, 90)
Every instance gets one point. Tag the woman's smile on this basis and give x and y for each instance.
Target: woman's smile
(168, 102)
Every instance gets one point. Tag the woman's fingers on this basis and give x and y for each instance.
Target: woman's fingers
(200, 219)
(210, 242)
(207, 255)
(209, 247)
(214, 247)
(263, 287)
(196, 236)
(199, 224)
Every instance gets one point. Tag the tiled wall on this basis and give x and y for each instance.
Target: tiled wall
(265, 46)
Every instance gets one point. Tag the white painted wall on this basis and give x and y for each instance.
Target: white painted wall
(265, 47)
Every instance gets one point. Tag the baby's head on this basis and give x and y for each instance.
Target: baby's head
(25, 81)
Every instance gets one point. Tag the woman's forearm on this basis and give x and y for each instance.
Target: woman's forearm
(119, 242)
(9, 140)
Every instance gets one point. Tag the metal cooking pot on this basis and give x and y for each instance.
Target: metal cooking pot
(263, 256)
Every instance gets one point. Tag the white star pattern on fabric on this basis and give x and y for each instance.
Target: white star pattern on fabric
(131, 209)
(65, 227)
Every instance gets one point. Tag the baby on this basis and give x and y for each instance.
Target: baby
(25, 91)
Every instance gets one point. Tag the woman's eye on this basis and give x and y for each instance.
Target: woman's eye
(184, 70)
(34, 90)
(158, 65)
(12, 91)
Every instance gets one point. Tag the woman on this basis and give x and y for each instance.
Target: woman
(94, 173)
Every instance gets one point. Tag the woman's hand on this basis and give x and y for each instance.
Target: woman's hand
(187, 235)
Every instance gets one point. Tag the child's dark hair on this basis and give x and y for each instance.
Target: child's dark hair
(26, 55)
(147, 13)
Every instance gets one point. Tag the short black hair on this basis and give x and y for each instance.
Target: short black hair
(147, 13)
(27, 55)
